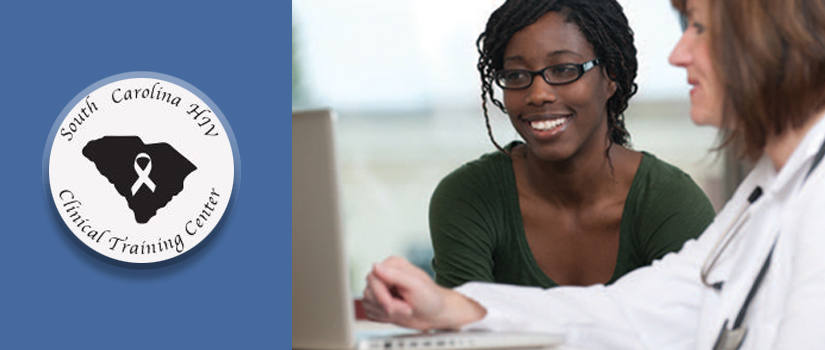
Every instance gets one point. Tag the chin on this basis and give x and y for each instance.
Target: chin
(550, 154)
(704, 117)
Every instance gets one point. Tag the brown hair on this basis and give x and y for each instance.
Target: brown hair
(770, 59)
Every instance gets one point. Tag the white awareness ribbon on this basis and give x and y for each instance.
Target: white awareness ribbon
(143, 174)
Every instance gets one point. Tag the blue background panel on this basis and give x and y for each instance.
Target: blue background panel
(232, 292)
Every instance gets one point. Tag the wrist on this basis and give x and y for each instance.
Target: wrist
(458, 310)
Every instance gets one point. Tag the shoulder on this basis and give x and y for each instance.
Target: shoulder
(665, 208)
(489, 171)
(658, 172)
(468, 209)
(659, 180)
(479, 193)
(662, 192)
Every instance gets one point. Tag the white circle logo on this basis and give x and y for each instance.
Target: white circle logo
(141, 167)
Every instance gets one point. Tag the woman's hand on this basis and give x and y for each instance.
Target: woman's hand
(400, 293)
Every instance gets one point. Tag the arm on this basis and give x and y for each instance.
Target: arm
(461, 229)
(400, 293)
(671, 211)
(673, 223)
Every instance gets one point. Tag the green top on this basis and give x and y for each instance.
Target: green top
(478, 234)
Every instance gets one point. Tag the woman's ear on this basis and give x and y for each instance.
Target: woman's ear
(611, 83)
(611, 88)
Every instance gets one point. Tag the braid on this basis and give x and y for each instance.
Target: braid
(487, 88)
(603, 24)
(503, 23)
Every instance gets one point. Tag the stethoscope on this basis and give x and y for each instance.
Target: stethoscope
(724, 240)
(732, 338)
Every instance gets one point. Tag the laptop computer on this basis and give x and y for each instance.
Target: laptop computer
(322, 307)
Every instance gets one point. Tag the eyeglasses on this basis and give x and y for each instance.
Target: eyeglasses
(557, 74)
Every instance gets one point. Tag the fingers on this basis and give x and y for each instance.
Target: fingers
(398, 274)
(374, 312)
(372, 309)
(381, 294)
(399, 292)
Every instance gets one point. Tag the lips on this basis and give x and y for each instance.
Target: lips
(547, 125)
(694, 85)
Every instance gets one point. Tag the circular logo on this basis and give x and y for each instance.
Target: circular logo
(141, 167)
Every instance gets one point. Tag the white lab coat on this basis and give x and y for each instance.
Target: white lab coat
(665, 305)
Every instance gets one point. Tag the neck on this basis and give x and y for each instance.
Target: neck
(574, 182)
(780, 147)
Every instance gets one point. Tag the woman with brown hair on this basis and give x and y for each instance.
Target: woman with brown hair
(756, 278)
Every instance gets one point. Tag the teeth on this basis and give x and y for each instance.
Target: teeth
(545, 125)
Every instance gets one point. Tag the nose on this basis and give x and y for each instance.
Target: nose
(681, 56)
(540, 92)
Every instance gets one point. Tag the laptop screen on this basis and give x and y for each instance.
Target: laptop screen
(322, 314)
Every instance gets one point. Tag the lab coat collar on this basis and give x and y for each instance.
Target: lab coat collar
(791, 175)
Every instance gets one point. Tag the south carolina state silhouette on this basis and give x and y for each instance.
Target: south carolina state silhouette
(147, 176)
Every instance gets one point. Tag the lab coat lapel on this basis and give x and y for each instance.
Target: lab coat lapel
(744, 255)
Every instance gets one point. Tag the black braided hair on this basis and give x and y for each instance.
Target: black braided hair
(603, 24)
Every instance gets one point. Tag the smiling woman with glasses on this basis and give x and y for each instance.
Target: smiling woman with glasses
(570, 203)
